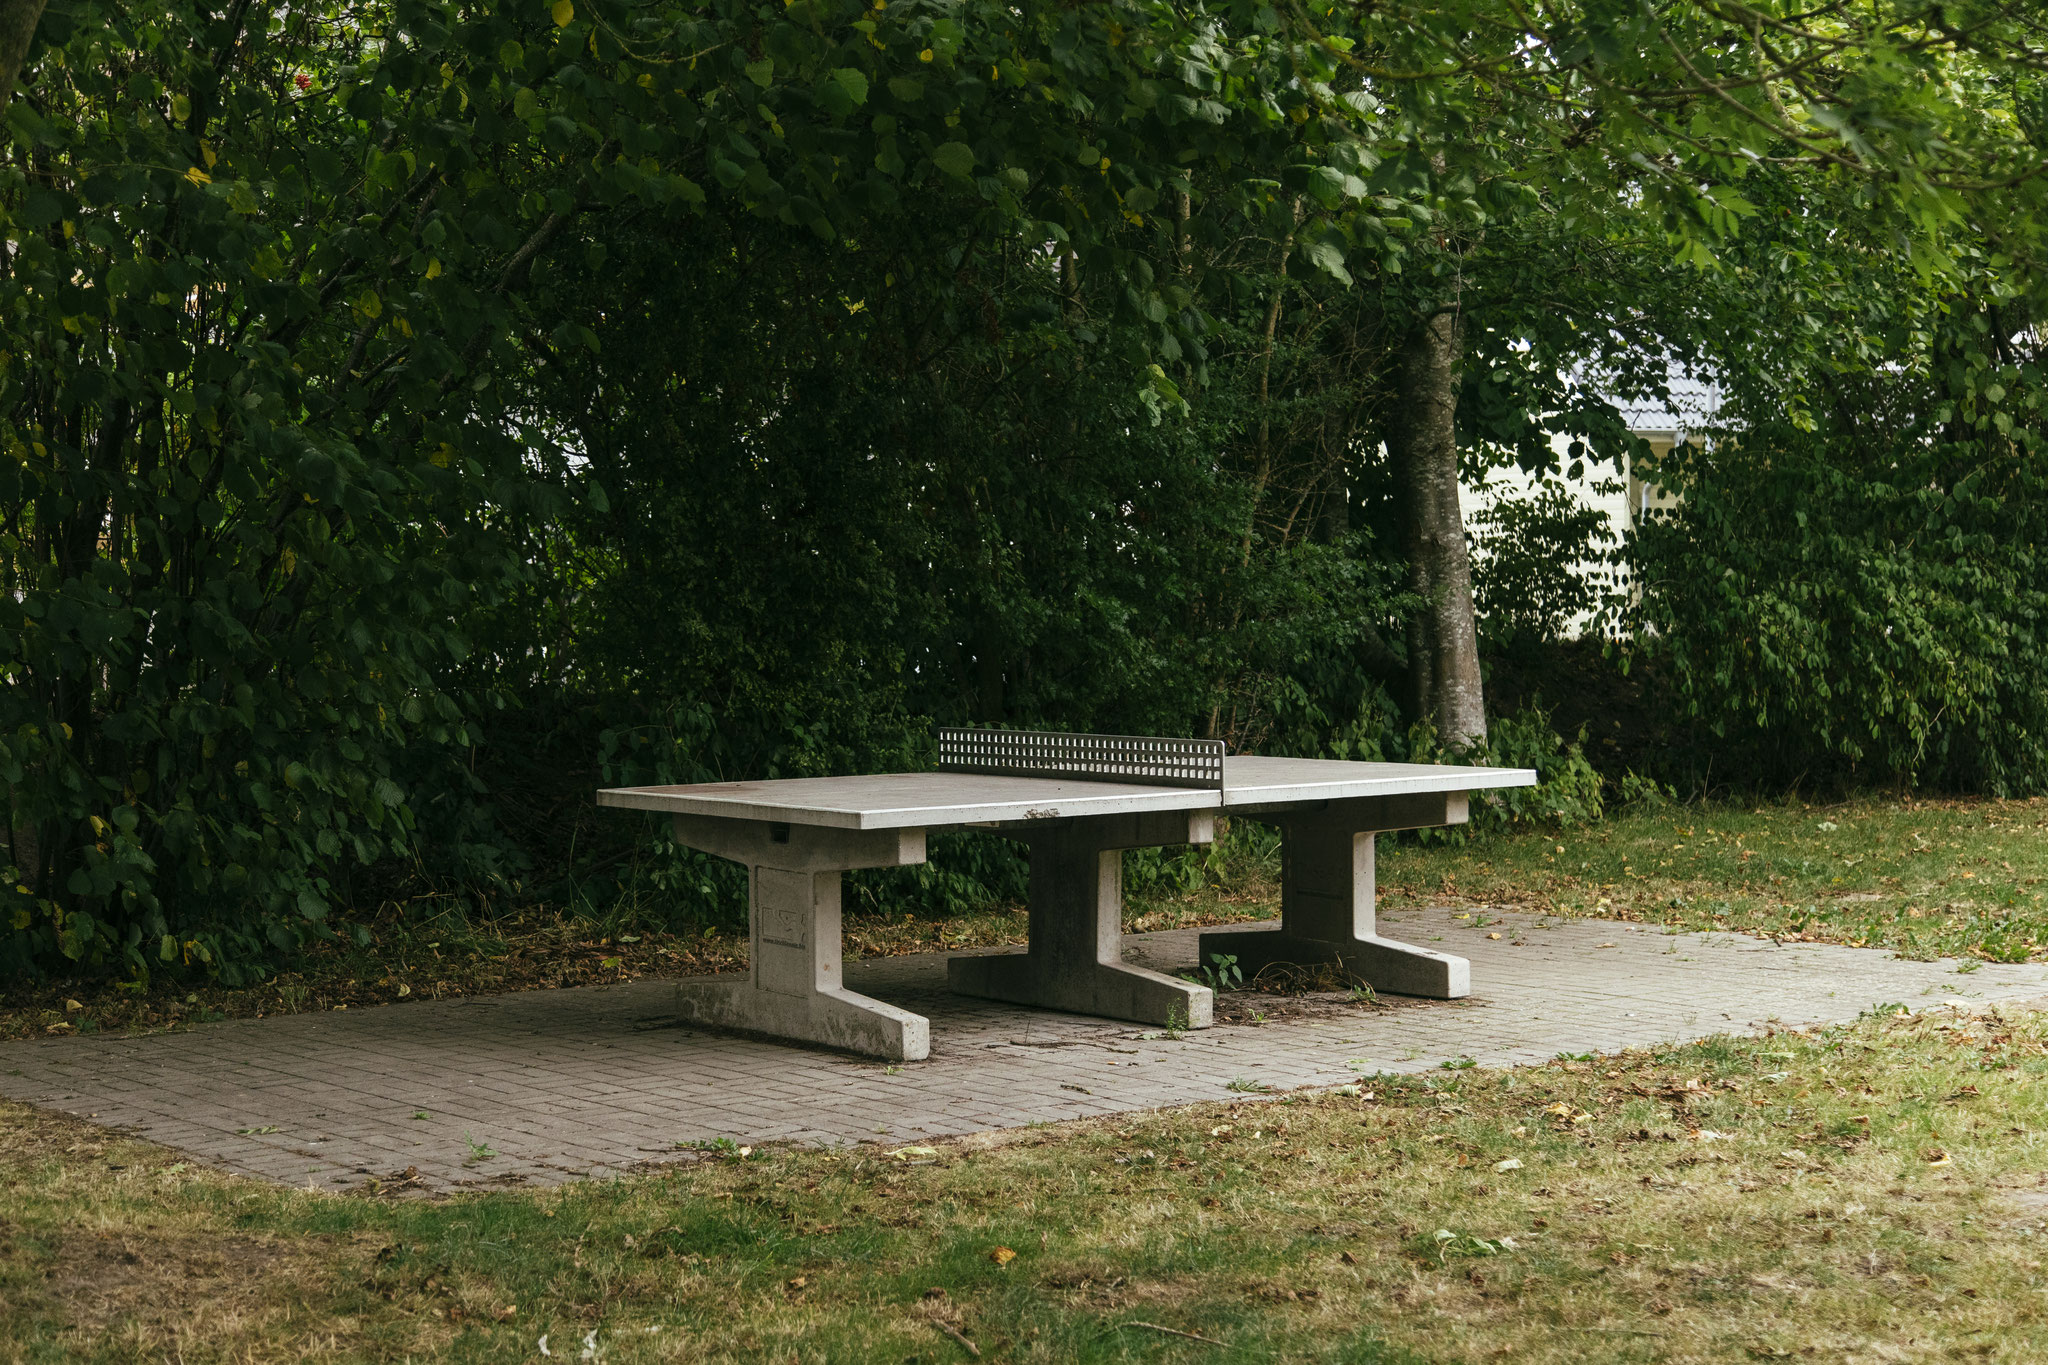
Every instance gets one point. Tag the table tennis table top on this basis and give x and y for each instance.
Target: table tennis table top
(912, 800)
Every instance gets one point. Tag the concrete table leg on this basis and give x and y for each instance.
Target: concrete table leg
(1075, 958)
(1327, 911)
(793, 988)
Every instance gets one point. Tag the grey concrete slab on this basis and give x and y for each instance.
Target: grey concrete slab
(571, 1084)
(1252, 780)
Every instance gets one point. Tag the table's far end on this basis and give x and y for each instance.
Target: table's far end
(1253, 780)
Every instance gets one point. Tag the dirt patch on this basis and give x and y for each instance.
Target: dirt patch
(136, 1263)
(1264, 1007)
(96, 1280)
(2023, 1200)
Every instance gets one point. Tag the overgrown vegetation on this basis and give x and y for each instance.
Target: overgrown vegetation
(1871, 1192)
(413, 415)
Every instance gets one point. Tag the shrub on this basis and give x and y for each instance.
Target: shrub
(1857, 605)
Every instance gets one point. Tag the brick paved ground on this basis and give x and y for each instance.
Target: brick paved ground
(599, 1080)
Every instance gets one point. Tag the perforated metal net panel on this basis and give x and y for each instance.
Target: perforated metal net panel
(1101, 758)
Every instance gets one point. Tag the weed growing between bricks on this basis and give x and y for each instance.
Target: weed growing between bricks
(1871, 1192)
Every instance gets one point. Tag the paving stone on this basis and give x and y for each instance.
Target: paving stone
(596, 1081)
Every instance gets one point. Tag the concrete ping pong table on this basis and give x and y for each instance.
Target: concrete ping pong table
(1078, 801)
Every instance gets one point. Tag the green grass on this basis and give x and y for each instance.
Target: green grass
(1876, 1192)
(1923, 878)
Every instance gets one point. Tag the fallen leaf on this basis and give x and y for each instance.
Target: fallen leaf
(1493, 935)
(1569, 1114)
(1511, 1164)
(507, 1313)
(1937, 1157)
(906, 1153)
(1002, 1255)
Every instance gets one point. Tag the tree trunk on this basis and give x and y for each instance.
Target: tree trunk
(18, 20)
(1443, 641)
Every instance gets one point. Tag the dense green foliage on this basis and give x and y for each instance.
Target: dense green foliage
(1863, 602)
(248, 505)
(414, 414)
(1853, 589)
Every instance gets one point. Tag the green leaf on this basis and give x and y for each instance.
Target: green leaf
(1328, 257)
(1728, 198)
(853, 82)
(954, 158)
(761, 72)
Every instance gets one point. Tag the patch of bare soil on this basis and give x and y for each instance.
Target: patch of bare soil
(92, 1281)
(1318, 991)
(2023, 1200)
(1260, 1007)
(147, 1280)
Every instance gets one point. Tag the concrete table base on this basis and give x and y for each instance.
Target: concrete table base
(793, 987)
(1075, 958)
(1328, 915)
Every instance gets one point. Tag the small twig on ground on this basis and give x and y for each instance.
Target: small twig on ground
(954, 1332)
(1171, 1331)
(1624, 1331)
